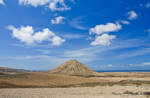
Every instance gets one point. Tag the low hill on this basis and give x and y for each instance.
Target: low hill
(73, 67)
(42, 79)
(6, 70)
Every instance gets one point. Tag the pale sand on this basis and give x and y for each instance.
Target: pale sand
(78, 92)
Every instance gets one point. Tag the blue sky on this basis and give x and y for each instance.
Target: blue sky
(103, 34)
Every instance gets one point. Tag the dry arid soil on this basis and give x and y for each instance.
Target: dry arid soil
(78, 92)
(103, 85)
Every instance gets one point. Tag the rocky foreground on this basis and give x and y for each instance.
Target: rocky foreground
(107, 85)
(79, 92)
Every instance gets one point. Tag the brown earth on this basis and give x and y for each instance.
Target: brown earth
(73, 67)
(44, 79)
(79, 92)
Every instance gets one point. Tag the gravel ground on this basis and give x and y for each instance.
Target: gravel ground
(79, 92)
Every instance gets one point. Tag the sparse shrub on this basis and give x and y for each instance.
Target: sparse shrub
(131, 93)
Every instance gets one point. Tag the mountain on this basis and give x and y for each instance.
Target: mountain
(73, 67)
(7, 70)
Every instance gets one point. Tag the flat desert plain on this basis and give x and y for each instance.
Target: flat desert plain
(105, 85)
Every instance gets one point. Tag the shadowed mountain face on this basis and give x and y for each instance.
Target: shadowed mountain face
(73, 67)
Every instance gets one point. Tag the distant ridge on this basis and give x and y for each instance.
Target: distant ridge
(11, 70)
(73, 67)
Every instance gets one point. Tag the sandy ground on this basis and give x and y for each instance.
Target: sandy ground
(141, 90)
(78, 92)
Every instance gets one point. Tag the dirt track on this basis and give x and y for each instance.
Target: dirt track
(79, 92)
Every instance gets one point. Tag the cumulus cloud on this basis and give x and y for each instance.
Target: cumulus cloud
(2, 2)
(132, 15)
(57, 41)
(104, 40)
(40, 36)
(23, 34)
(58, 20)
(109, 27)
(27, 35)
(54, 5)
(102, 37)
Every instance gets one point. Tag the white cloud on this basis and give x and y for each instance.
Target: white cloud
(132, 15)
(58, 20)
(2, 2)
(125, 22)
(28, 36)
(104, 40)
(24, 34)
(109, 27)
(46, 34)
(57, 41)
(148, 5)
(53, 5)
(34, 3)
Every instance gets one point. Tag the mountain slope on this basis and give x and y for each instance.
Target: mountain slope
(73, 67)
